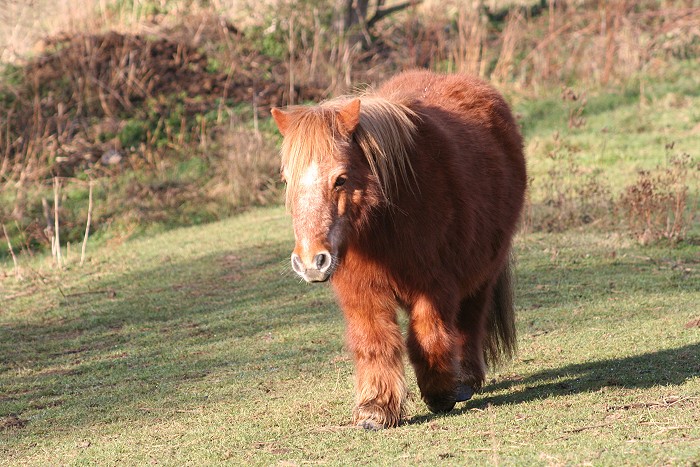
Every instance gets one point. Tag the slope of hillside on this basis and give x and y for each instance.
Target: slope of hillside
(199, 346)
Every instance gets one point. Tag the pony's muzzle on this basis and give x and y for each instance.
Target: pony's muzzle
(316, 270)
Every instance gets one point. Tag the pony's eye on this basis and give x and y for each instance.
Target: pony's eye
(340, 181)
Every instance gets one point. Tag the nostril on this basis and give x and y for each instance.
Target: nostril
(323, 261)
(296, 264)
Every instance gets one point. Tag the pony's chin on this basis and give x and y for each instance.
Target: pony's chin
(318, 281)
(316, 276)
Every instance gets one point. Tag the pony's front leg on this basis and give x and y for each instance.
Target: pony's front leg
(431, 347)
(374, 337)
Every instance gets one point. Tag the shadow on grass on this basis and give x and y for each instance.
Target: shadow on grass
(160, 338)
(670, 367)
(661, 368)
(152, 339)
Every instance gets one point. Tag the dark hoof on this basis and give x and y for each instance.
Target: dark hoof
(370, 425)
(440, 405)
(463, 392)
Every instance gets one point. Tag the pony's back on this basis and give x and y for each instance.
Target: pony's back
(471, 176)
(466, 98)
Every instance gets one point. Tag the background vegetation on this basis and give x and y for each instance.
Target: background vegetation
(163, 106)
(167, 341)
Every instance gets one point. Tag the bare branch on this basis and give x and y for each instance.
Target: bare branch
(87, 225)
(18, 274)
(384, 12)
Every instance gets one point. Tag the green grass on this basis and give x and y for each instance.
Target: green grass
(197, 346)
(623, 132)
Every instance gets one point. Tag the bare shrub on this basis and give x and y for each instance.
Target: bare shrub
(563, 42)
(246, 169)
(615, 43)
(575, 103)
(656, 205)
(469, 52)
(511, 37)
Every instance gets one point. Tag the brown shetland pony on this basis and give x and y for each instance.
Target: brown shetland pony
(409, 198)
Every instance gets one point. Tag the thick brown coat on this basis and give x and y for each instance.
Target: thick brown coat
(409, 198)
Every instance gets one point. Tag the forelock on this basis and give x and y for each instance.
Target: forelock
(310, 138)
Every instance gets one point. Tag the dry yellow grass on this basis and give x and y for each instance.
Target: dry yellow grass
(24, 24)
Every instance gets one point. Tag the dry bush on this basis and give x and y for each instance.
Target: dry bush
(95, 98)
(656, 205)
(613, 42)
(245, 169)
(469, 50)
(575, 103)
(564, 42)
(505, 67)
(26, 24)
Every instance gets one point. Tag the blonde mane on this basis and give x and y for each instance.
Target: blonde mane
(385, 134)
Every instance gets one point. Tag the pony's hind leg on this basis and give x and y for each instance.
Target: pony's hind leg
(431, 347)
(374, 337)
(471, 324)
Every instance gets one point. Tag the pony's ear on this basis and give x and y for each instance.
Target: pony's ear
(349, 115)
(282, 119)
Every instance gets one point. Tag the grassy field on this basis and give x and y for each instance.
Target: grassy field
(198, 346)
(622, 130)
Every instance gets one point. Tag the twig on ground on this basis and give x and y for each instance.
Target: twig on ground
(18, 274)
(57, 239)
(588, 427)
(87, 225)
(109, 292)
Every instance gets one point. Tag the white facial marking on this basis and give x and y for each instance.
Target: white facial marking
(310, 177)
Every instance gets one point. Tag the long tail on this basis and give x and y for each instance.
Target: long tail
(500, 344)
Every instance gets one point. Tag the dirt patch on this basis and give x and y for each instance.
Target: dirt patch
(693, 323)
(12, 422)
